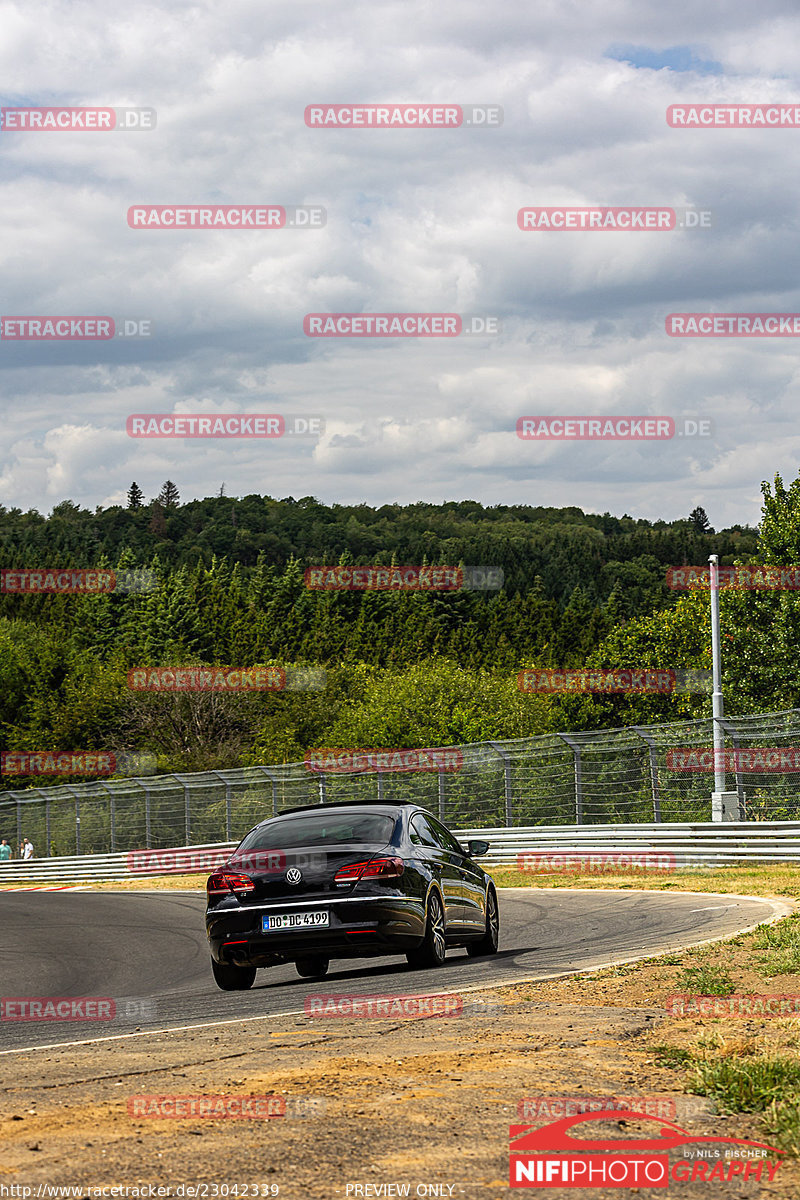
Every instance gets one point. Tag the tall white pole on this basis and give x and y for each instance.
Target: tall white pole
(718, 709)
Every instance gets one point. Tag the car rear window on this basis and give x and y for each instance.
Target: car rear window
(321, 829)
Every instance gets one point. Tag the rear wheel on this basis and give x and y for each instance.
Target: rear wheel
(488, 943)
(433, 950)
(232, 978)
(313, 966)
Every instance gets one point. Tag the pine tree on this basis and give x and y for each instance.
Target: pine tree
(135, 496)
(700, 521)
(169, 496)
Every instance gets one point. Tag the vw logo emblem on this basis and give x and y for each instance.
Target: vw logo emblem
(294, 875)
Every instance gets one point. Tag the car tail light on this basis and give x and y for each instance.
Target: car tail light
(225, 883)
(374, 868)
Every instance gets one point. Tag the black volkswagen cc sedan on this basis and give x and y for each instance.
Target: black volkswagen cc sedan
(347, 880)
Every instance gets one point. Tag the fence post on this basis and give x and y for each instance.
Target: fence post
(380, 787)
(274, 781)
(68, 787)
(187, 811)
(651, 745)
(147, 835)
(227, 783)
(733, 733)
(19, 824)
(507, 793)
(77, 796)
(47, 822)
(112, 814)
(576, 750)
(441, 794)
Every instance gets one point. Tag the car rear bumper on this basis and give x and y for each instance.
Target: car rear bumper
(368, 926)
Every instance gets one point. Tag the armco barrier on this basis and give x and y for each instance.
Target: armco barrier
(704, 844)
(103, 868)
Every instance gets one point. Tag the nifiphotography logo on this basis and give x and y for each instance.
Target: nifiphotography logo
(548, 1156)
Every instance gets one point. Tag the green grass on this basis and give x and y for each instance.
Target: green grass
(750, 1085)
(672, 1056)
(706, 980)
(782, 943)
(782, 1123)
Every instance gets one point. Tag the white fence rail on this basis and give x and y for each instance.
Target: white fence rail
(703, 844)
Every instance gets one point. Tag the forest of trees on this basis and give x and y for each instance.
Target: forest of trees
(403, 668)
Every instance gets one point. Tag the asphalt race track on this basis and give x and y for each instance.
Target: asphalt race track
(151, 947)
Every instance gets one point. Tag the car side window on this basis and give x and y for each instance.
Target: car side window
(421, 832)
(445, 837)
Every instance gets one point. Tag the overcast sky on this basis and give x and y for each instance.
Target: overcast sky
(417, 221)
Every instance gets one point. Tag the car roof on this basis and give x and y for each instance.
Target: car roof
(389, 808)
(379, 804)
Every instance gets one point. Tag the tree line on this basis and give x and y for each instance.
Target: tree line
(402, 668)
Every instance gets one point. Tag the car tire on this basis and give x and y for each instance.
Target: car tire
(231, 978)
(488, 943)
(433, 950)
(313, 966)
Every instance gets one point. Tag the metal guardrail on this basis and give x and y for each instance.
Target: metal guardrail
(703, 844)
(106, 868)
(700, 844)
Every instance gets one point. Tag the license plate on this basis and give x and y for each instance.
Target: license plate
(304, 920)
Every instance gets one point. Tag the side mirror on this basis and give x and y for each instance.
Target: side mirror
(476, 849)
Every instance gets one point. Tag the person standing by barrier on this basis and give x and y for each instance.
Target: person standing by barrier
(26, 849)
(5, 851)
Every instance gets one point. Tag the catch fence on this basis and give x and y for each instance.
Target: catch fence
(631, 775)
